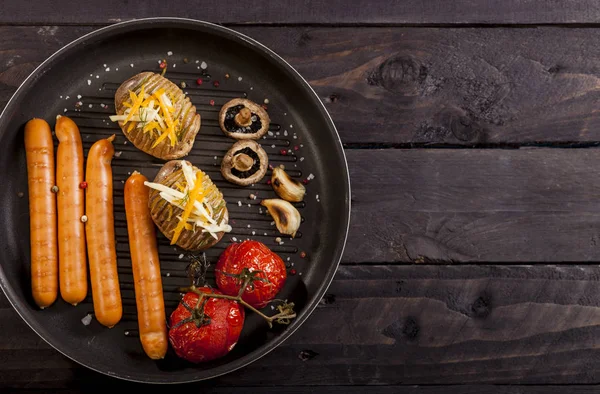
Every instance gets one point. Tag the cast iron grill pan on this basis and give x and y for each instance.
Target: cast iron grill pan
(80, 81)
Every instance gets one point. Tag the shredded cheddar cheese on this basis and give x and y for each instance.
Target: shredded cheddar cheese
(191, 198)
(151, 112)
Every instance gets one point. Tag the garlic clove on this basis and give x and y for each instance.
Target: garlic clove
(286, 187)
(286, 216)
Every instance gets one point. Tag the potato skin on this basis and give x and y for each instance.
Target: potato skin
(165, 217)
(187, 115)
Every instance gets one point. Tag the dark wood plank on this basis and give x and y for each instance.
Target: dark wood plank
(330, 12)
(391, 325)
(414, 389)
(417, 85)
(527, 205)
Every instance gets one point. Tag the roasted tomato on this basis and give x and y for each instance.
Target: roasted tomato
(252, 262)
(205, 330)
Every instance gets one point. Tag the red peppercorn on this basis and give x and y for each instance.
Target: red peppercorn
(83, 185)
(283, 152)
(268, 181)
(293, 271)
(199, 81)
(227, 75)
(303, 254)
(296, 147)
(162, 64)
(264, 106)
(216, 84)
(305, 181)
(212, 102)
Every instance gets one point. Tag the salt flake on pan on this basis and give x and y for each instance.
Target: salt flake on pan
(87, 319)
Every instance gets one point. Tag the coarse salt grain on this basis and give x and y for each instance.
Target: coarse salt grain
(239, 203)
(90, 105)
(89, 82)
(87, 319)
(253, 232)
(270, 133)
(168, 274)
(180, 256)
(197, 61)
(118, 154)
(285, 133)
(310, 177)
(234, 239)
(239, 78)
(107, 69)
(79, 96)
(60, 96)
(277, 133)
(174, 65)
(97, 76)
(104, 65)
(65, 110)
(131, 65)
(302, 159)
(273, 146)
(169, 53)
(203, 65)
(248, 226)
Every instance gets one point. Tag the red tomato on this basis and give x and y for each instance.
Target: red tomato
(253, 257)
(208, 331)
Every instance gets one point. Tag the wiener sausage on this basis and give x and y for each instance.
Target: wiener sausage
(39, 151)
(146, 268)
(72, 260)
(100, 234)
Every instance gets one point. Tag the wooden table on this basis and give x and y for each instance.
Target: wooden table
(472, 133)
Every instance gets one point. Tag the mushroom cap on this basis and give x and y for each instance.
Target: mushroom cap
(255, 109)
(227, 164)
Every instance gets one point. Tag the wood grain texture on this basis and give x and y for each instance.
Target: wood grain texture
(418, 86)
(412, 389)
(494, 205)
(311, 12)
(400, 325)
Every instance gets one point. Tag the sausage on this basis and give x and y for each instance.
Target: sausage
(100, 234)
(145, 264)
(72, 260)
(39, 151)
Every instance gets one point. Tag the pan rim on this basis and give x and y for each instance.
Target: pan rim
(327, 279)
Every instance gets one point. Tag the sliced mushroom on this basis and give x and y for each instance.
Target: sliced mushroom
(286, 187)
(286, 216)
(243, 119)
(245, 163)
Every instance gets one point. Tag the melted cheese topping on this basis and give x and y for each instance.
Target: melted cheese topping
(153, 113)
(192, 199)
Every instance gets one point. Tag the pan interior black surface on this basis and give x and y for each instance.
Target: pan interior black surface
(80, 81)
